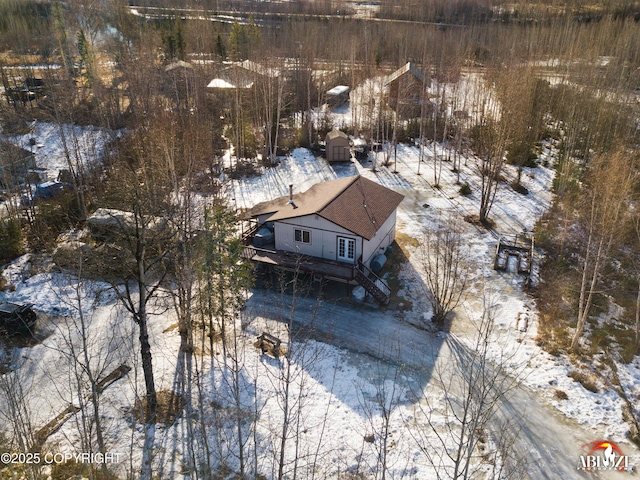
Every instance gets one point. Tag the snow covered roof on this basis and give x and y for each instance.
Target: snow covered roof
(354, 203)
(259, 69)
(111, 217)
(178, 64)
(242, 75)
(408, 67)
(338, 90)
(221, 83)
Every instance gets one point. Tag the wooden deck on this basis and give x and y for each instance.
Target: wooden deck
(329, 269)
(303, 263)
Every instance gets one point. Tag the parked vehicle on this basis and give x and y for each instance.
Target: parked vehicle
(16, 318)
(46, 190)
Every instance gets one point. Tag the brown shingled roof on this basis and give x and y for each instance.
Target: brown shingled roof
(335, 134)
(354, 203)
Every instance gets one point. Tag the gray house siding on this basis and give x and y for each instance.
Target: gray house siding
(381, 240)
(323, 237)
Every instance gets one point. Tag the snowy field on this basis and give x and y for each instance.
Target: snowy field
(353, 400)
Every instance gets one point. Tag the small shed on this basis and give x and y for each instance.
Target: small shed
(337, 146)
(337, 96)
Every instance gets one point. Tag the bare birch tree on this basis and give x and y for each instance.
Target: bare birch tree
(380, 409)
(16, 413)
(90, 360)
(602, 215)
(444, 258)
(295, 309)
(269, 103)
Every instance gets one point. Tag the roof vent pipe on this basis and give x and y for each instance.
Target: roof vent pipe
(291, 196)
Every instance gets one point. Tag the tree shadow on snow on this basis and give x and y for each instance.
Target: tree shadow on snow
(395, 343)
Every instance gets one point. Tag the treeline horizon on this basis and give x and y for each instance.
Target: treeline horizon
(32, 28)
(465, 12)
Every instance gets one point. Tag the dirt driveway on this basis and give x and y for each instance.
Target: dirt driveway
(549, 443)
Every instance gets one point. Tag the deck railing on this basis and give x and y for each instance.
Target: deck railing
(327, 268)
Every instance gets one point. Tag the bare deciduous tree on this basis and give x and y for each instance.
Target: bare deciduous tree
(444, 259)
(16, 413)
(603, 214)
(489, 142)
(474, 382)
(136, 247)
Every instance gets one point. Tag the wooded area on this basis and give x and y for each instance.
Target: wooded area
(556, 72)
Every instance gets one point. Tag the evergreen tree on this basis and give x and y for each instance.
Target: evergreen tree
(225, 275)
(86, 56)
(237, 41)
(243, 40)
(173, 42)
(10, 240)
(221, 50)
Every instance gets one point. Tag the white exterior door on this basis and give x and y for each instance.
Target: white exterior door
(346, 249)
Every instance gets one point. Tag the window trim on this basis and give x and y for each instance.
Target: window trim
(301, 237)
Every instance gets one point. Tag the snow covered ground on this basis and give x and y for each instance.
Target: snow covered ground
(513, 213)
(57, 146)
(345, 391)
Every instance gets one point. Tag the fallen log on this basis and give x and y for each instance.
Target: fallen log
(54, 425)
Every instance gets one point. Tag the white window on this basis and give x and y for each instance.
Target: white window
(346, 249)
(302, 236)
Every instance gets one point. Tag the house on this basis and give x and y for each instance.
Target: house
(337, 96)
(243, 75)
(406, 89)
(337, 146)
(15, 163)
(178, 85)
(333, 230)
(178, 65)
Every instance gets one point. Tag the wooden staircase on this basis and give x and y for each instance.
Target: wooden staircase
(372, 283)
(247, 235)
